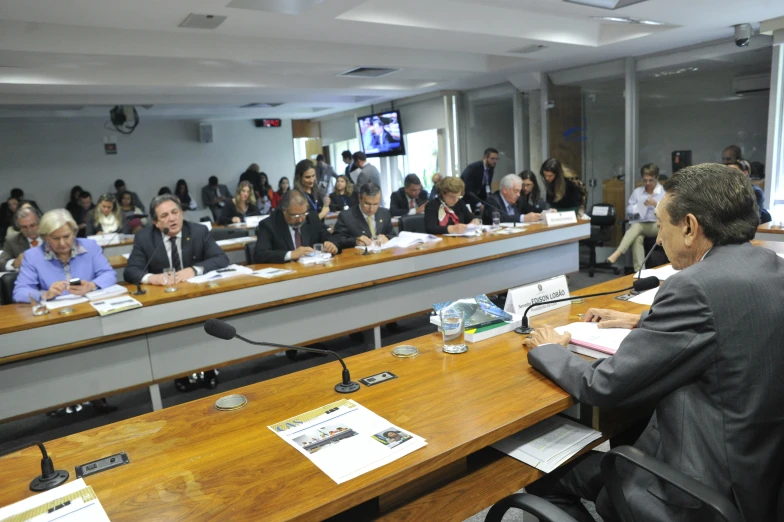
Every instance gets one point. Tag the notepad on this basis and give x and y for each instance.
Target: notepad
(602, 342)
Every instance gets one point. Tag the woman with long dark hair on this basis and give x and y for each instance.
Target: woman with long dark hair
(305, 182)
(283, 187)
(530, 196)
(181, 191)
(562, 193)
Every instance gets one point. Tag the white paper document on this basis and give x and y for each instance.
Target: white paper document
(662, 273)
(61, 301)
(127, 256)
(315, 259)
(223, 273)
(115, 305)
(589, 335)
(645, 298)
(111, 239)
(548, 444)
(74, 501)
(106, 293)
(270, 273)
(407, 239)
(346, 440)
(235, 240)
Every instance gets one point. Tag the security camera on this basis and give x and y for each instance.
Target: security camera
(742, 34)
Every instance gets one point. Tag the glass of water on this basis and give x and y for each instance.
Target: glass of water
(453, 330)
(39, 303)
(496, 219)
(376, 246)
(318, 249)
(169, 276)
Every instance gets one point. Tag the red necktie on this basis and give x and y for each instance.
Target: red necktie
(34, 243)
(411, 203)
(297, 238)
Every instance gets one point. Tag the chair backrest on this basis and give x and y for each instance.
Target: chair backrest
(412, 223)
(249, 248)
(602, 215)
(219, 234)
(199, 214)
(7, 282)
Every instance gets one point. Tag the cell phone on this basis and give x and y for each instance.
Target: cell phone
(75, 281)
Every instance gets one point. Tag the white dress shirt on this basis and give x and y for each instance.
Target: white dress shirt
(292, 231)
(9, 266)
(167, 244)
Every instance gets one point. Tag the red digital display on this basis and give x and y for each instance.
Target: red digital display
(267, 123)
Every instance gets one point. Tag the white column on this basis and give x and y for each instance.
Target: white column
(774, 165)
(519, 108)
(632, 125)
(535, 131)
(545, 121)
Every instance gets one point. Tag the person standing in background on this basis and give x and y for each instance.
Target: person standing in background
(478, 176)
(366, 172)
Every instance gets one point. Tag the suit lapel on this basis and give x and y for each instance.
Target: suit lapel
(282, 229)
(360, 217)
(158, 241)
(186, 246)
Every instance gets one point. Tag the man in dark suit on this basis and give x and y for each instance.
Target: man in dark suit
(411, 199)
(26, 219)
(214, 196)
(359, 224)
(291, 231)
(187, 247)
(478, 176)
(707, 355)
(435, 180)
(507, 203)
(348, 159)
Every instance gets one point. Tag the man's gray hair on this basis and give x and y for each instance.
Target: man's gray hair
(292, 197)
(369, 189)
(510, 180)
(720, 198)
(26, 212)
(54, 220)
(157, 200)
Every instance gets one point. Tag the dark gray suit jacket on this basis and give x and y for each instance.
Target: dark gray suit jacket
(497, 200)
(273, 238)
(12, 248)
(351, 224)
(198, 248)
(710, 356)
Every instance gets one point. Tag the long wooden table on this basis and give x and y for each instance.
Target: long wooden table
(770, 232)
(53, 360)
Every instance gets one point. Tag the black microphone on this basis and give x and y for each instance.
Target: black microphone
(225, 331)
(139, 290)
(640, 285)
(642, 265)
(49, 478)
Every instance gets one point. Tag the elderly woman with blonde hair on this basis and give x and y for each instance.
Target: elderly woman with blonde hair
(449, 214)
(52, 268)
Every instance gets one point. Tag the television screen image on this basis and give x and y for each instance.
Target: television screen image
(382, 134)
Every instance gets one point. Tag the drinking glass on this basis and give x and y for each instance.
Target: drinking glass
(169, 276)
(453, 330)
(39, 304)
(376, 246)
(318, 248)
(496, 219)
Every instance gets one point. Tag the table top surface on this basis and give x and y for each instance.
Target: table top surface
(770, 228)
(18, 317)
(192, 462)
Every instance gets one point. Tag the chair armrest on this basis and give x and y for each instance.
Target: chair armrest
(545, 511)
(708, 496)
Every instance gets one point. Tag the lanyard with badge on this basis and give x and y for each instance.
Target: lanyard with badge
(345, 203)
(313, 203)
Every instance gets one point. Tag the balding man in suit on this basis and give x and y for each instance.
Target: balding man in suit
(708, 355)
(26, 219)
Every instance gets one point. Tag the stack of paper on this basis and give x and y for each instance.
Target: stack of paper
(548, 444)
(223, 273)
(235, 240)
(407, 239)
(115, 305)
(662, 272)
(64, 300)
(315, 259)
(476, 334)
(71, 502)
(645, 298)
(346, 440)
(589, 339)
(269, 273)
(111, 239)
(106, 293)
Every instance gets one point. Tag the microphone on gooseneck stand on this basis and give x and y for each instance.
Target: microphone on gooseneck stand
(642, 265)
(49, 477)
(139, 290)
(225, 331)
(640, 285)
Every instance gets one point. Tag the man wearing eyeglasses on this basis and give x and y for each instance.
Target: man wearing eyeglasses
(291, 231)
(368, 220)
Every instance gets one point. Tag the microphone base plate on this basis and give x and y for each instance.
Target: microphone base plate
(39, 483)
(351, 387)
(140, 292)
(523, 330)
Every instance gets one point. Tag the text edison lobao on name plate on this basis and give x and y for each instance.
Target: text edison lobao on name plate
(520, 298)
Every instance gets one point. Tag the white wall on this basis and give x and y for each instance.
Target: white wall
(47, 157)
(491, 125)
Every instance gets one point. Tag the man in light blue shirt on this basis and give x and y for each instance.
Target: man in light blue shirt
(641, 213)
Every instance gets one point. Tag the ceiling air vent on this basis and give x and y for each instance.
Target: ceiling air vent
(260, 105)
(202, 21)
(368, 72)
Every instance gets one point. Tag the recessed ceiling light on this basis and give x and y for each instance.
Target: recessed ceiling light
(618, 19)
(651, 22)
(605, 4)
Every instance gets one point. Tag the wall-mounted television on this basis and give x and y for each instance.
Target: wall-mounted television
(381, 134)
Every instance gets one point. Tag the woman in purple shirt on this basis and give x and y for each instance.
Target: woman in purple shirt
(47, 269)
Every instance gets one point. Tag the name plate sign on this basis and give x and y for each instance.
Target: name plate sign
(560, 218)
(520, 298)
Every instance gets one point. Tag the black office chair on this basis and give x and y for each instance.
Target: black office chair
(219, 234)
(249, 248)
(7, 282)
(658, 257)
(412, 223)
(602, 222)
(542, 509)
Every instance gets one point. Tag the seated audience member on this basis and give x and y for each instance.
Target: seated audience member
(129, 213)
(562, 193)
(507, 200)
(184, 195)
(82, 212)
(9, 209)
(243, 205)
(73, 203)
(731, 154)
(188, 247)
(13, 231)
(531, 201)
(106, 217)
(707, 357)
(163, 191)
(283, 187)
(759, 195)
(410, 199)
(214, 196)
(435, 180)
(47, 269)
(291, 231)
(344, 196)
(120, 187)
(361, 223)
(26, 220)
(305, 182)
(641, 213)
(449, 214)
(18, 194)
